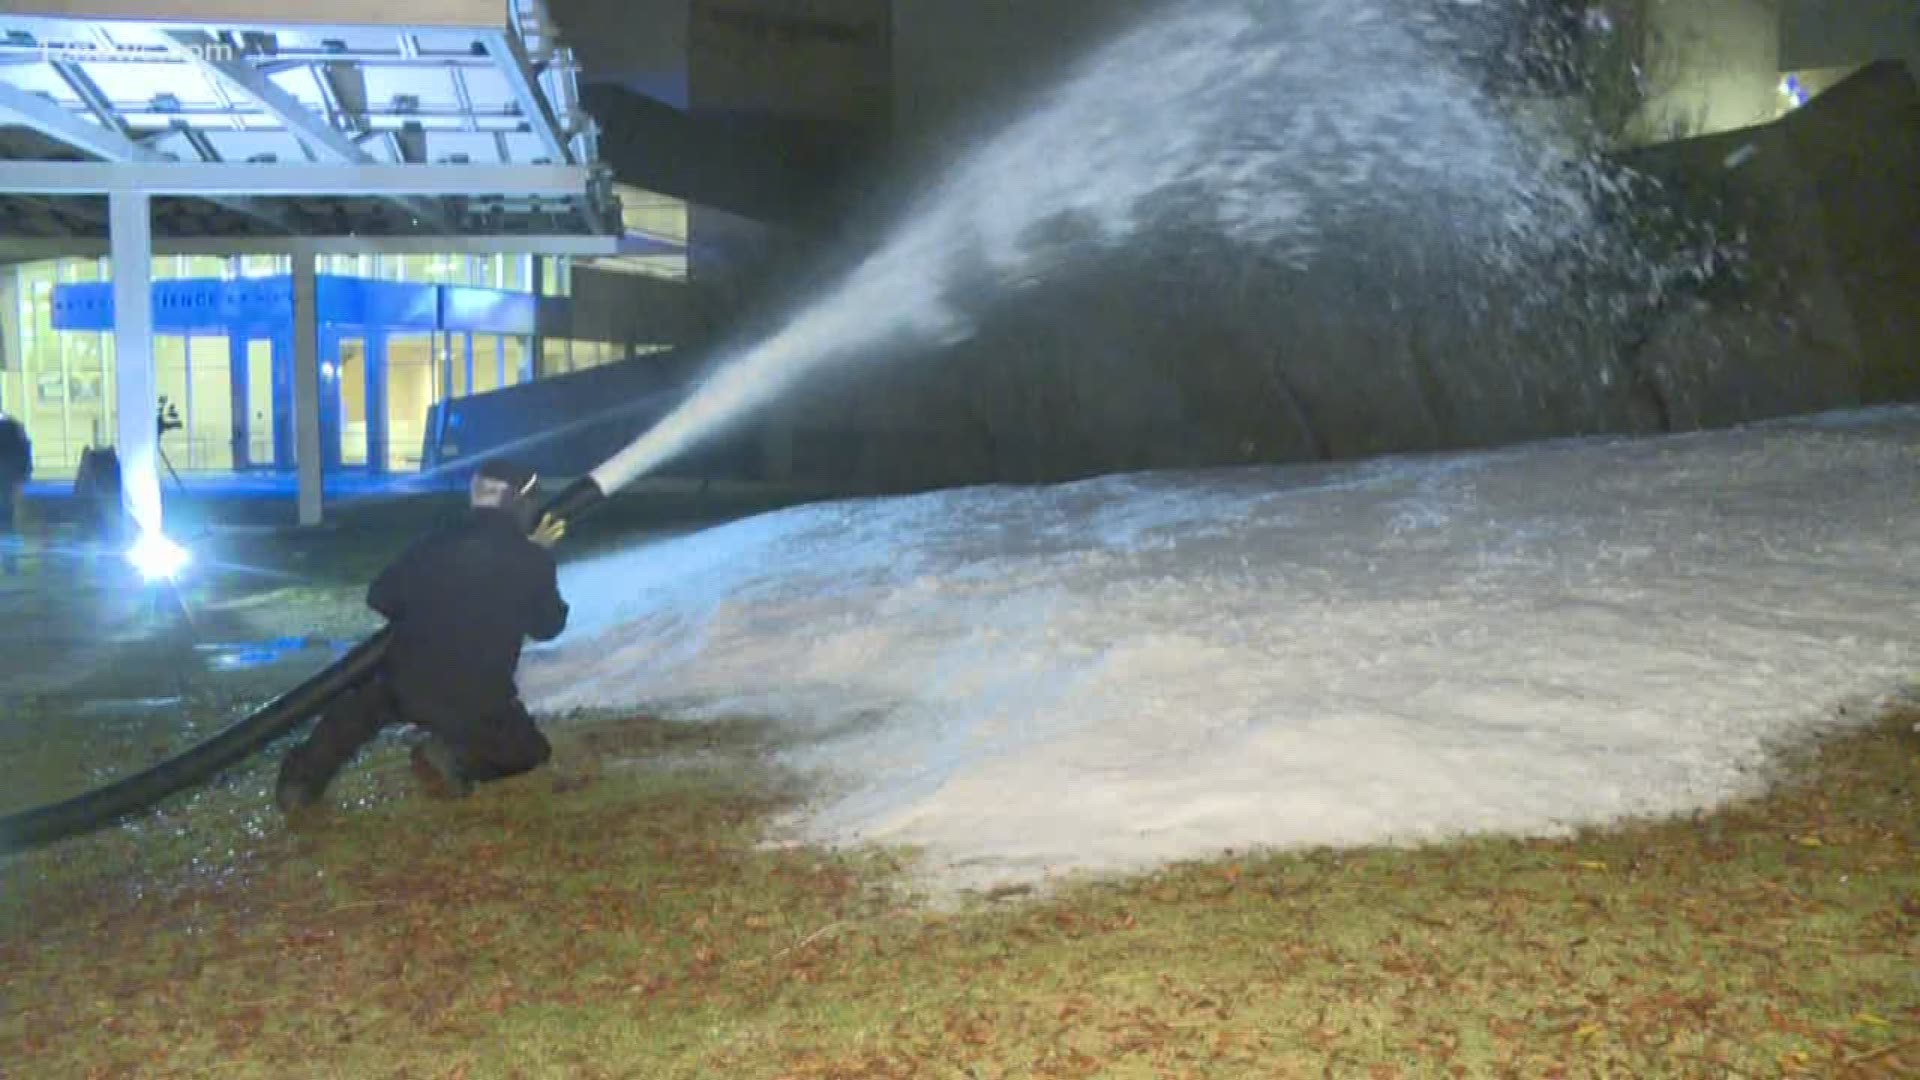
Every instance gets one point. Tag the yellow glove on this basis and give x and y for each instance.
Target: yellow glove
(550, 531)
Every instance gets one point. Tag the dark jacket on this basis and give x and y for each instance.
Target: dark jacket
(462, 602)
(16, 454)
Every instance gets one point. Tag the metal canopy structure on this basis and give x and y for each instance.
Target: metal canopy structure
(134, 125)
(309, 181)
(144, 86)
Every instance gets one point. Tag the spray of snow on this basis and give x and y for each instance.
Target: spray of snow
(1275, 124)
(1109, 674)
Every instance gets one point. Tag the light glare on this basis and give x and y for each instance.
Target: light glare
(158, 558)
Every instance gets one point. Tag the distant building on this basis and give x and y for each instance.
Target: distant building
(441, 328)
(1715, 65)
(422, 299)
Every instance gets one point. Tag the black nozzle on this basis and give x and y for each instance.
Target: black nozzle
(579, 497)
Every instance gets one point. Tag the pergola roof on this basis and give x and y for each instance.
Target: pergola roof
(461, 101)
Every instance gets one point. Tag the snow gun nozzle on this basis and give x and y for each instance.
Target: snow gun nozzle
(577, 499)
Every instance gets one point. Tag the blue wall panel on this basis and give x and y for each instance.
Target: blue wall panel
(83, 307)
(486, 311)
(187, 305)
(365, 302)
(210, 306)
(254, 302)
(262, 308)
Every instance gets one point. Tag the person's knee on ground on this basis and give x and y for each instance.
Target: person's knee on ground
(449, 771)
(454, 759)
(511, 746)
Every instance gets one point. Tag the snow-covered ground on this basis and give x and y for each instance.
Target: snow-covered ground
(1109, 674)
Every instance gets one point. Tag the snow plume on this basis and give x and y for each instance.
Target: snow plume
(1113, 673)
(1279, 124)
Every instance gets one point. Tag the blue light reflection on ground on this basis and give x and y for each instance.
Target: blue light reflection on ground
(253, 655)
(277, 485)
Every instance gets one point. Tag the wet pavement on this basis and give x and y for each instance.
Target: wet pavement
(102, 674)
(258, 655)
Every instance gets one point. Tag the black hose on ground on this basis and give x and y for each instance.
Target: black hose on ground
(101, 807)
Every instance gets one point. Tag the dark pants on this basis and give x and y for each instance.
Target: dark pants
(501, 743)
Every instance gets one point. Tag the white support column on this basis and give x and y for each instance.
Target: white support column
(138, 441)
(306, 386)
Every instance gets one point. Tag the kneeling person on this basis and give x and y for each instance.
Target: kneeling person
(460, 603)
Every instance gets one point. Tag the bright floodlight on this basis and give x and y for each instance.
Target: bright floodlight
(158, 558)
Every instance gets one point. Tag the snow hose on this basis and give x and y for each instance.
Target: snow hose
(104, 806)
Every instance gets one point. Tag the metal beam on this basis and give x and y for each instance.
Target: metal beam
(293, 59)
(53, 120)
(410, 144)
(202, 145)
(518, 70)
(469, 121)
(537, 108)
(230, 110)
(95, 99)
(319, 137)
(225, 63)
(346, 88)
(278, 180)
(336, 14)
(36, 249)
(112, 143)
(282, 61)
(452, 118)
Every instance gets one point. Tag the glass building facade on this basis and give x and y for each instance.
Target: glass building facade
(225, 366)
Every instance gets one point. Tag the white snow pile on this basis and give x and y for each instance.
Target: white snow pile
(1111, 674)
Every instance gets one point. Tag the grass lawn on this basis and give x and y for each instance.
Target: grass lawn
(631, 912)
(623, 915)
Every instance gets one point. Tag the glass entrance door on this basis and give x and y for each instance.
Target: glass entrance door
(193, 380)
(347, 396)
(252, 402)
(256, 411)
(411, 389)
(262, 401)
(208, 412)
